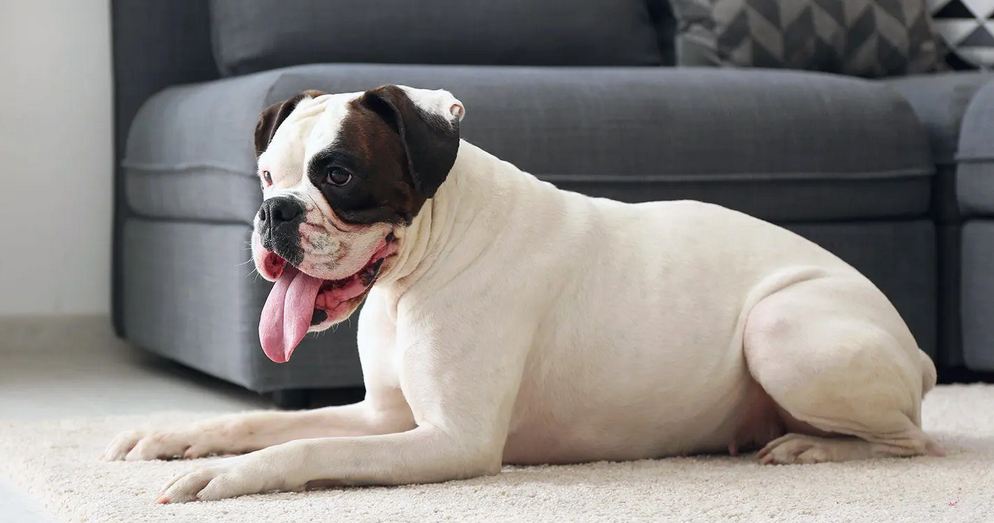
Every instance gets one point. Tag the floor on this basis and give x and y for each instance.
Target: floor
(76, 368)
(57, 460)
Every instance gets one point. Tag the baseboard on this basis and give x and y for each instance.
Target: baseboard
(951, 375)
(55, 332)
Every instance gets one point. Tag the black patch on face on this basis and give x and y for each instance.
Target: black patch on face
(397, 155)
(369, 197)
(430, 141)
(279, 227)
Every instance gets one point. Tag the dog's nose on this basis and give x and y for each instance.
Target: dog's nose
(279, 221)
(277, 211)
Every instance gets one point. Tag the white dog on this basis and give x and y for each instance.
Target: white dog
(507, 321)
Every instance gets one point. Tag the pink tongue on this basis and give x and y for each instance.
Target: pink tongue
(287, 313)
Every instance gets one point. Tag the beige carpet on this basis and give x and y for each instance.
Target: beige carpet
(57, 463)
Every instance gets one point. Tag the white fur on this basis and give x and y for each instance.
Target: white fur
(524, 324)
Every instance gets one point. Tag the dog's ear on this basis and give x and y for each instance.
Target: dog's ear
(271, 118)
(428, 130)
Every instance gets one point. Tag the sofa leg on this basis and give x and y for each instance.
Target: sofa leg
(292, 399)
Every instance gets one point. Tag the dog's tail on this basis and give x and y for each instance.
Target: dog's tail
(928, 373)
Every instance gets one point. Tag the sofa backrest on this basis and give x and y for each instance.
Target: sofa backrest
(256, 35)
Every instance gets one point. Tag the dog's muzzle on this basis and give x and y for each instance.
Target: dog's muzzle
(279, 227)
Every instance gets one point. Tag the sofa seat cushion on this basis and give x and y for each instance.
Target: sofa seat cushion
(784, 146)
(259, 35)
(975, 171)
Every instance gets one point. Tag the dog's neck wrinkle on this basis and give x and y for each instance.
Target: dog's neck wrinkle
(446, 220)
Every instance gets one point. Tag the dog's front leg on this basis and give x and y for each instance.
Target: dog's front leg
(383, 411)
(423, 455)
(250, 431)
(461, 394)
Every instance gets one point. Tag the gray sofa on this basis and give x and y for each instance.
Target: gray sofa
(895, 176)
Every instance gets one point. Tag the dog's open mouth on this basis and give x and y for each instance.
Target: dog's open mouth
(299, 301)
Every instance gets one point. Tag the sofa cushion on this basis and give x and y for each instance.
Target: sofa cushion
(785, 146)
(870, 38)
(966, 31)
(940, 101)
(975, 171)
(257, 35)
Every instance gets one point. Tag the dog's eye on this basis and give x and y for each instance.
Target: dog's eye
(338, 177)
(267, 177)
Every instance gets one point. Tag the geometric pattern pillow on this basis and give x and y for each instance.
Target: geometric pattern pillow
(967, 27)
(867, 38)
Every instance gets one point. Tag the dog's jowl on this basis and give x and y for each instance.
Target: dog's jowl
(507, 321)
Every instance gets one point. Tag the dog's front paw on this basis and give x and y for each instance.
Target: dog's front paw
(121, 445)
(224, 478)
(140, 445)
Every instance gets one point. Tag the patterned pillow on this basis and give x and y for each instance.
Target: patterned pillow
(868, 38)
(967, 27)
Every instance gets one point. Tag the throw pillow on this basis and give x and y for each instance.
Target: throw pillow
(868, 38)
(967, 27)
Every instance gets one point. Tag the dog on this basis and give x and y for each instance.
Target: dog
(506, 321)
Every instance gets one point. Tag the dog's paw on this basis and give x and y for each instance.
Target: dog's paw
(797, 448)
(121, 445)
(224, 478)
(139, 445)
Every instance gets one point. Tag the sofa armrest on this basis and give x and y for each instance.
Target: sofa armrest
(155, 44)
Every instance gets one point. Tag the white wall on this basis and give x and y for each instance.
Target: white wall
(55, 156)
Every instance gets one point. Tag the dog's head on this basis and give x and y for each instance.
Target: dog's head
(341, 175)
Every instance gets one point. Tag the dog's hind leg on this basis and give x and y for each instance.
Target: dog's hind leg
(843, 369)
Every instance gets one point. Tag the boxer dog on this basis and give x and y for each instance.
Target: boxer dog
(509, 322)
